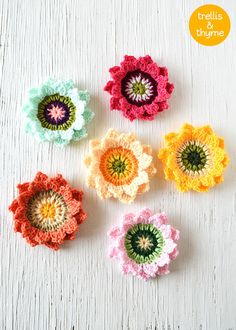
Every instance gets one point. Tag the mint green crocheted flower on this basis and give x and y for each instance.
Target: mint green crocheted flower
(57, 112)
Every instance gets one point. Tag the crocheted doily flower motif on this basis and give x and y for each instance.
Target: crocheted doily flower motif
(57, 111)
(195, 158)
(139, 88)
(144, 244)
(119, 166)
(47, 211)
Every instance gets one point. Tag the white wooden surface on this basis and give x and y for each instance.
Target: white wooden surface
(79, 287)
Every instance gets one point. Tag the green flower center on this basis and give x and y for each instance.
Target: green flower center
(144, 243)
(118, 166)
(139, 88)
(193, 157)
(56, 112)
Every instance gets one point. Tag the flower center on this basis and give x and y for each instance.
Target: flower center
(56, 112)
(139, 88)
(119, 166)
(193, 157)
(47, 210)
(144, 243)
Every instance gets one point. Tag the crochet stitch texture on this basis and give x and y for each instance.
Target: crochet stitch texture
(119, 166)
(194, 158)
(144, 244)
(47, 211)
(58, 112)
(139, 88)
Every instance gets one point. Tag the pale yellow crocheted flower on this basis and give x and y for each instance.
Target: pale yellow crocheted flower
(119, 166)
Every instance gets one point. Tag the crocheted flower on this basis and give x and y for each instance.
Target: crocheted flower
(139, 88)
(144, 244)
(195, 158)
(57, 112)
(119, 166)
(47, 211)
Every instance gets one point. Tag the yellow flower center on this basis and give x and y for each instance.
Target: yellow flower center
(48, 210)
(119, 166)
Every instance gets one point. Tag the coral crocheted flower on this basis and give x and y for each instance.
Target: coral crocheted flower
(144, 244)
(57, 112)
(47, 211)
(195, 158)
(119, 166)
(139, 88)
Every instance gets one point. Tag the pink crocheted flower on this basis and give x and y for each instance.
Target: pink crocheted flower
(139, 88)
(144, 244)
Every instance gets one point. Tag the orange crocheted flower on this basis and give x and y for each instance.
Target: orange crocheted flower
(119, 166)
(47, 211)
(195, 158)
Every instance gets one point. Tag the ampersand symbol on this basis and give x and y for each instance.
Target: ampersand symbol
(209, 26)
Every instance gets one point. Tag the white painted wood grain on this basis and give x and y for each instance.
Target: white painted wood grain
(78, 287)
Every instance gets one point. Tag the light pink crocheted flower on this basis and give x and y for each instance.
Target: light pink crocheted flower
(139, 88)
(144, 244)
